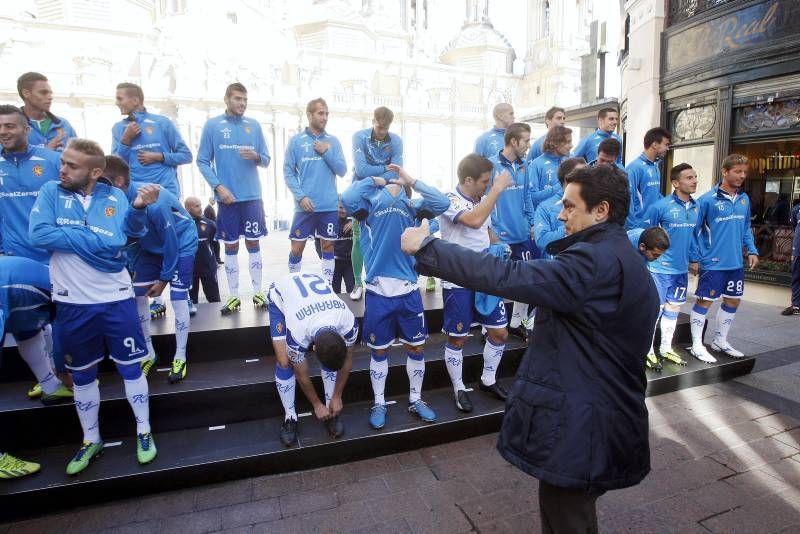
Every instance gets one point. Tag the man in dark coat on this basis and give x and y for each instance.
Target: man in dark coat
(576, 417)
(210, 213)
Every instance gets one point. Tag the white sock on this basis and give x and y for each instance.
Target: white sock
(725, 316)
(520, 311)
(328, 383)
(295, 263)
(255, 264)
(378, 369)
(181, 309)
(698, 321)
(669, 321)
(285, 382)
(159, 300)
(415, 367)
(87, 404)
(532, 317)
(232, 272)
(34, 352)
(143, 308)
(454, 358)
(328, 263)
(653, 338)
(492, 354)
(48, 340)
(139, 399)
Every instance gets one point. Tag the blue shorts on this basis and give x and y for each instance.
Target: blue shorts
(525, 251)
(147, 271)
(388, 318)
(713, 284)
(671, 287)
(24, 324)
(87, 330)
(460, 312)
(324, 225)
(241, 219)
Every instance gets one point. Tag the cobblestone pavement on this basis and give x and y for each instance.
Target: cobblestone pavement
(726, 458)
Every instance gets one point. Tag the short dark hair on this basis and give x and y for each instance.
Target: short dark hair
(132, 89)
(383, 116)
(91, 149)
(605, 111)
(7, 109)
(472, 166)
(548, 116)
(734, 159)
(604, 183)
(116, 166)
(610, 147)
(313, 103)
(27, 81)
(567, 166)
(514, 131)
(655, 135)
(235, 86)
(331, 349)
(555, 136)
(654, 238)
(676, 171)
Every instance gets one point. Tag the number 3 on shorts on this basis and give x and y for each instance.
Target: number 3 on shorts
(251, 227)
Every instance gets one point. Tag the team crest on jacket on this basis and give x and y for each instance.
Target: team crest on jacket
(38, 170)
(110, 211)
(246, 129)
(149, 130)
(202, 227)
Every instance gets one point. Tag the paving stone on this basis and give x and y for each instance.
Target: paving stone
(252, 512)
(497, 506)
(374, 467)
(307, 501)
(756, 483)
(448, 519)
(327, 477)
(142, 527)
(276, 485)
(239, 530)
(363, 490)
(779, 422)
(524, 522)
(668, 455)
(761, 515)
(165, 504)
(754, 454)
(718, 497)
(744, 432)
(92, 519)
(410, 459)
(395, 526)
(44, 525)
(223, 494)
(409, 479)
(289, 525)
(399, 505)
(455, 491)
(791, 438)
(787, 469)
(194, 522)
(341, 519)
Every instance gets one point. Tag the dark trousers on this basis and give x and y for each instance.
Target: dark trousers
(210, 287)
(343, 270)
(567, 510)
(796, 281)
(215, 249)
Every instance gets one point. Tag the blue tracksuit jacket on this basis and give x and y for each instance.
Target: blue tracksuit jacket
(543, 178)
(370, 155)
(722, 229)
(512, 216)
(218, 156)
(159, 134)
(311, 175)
(678, 219)
(58, 126)
(21, 177)
(490, 143)
(587, 148)
(644, 180)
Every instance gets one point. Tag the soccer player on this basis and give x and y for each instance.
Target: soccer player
(24, 169)
(512, 217)
(232, 148)
(722, 230)
(373, 150)
(393, 305)
(84, 222)
(150, 144)
(492, 141)
(554, 116)
(205, 265)
(313, 160)
(547, 226)
(47, 130)
(677, 215)
(164, 255)
(607, 120)
(644, 177)
(650, 243)
(543, 171)
(466, 222)
(305, 314)
(607, 152)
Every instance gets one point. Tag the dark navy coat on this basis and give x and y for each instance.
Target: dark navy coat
(576, 416)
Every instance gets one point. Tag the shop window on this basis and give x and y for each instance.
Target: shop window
(759, 118)
(694, 123)
(701, 158)
(773, 186)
